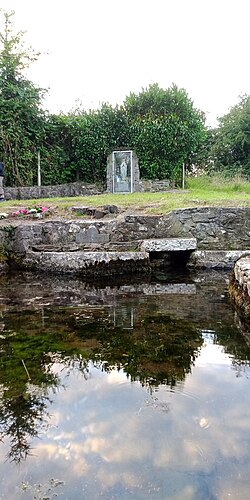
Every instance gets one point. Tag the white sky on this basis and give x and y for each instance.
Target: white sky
(101, 50)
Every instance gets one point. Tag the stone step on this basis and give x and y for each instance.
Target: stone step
(149, 245)
(119, 246)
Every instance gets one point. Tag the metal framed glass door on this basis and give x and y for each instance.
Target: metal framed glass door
(122, 172)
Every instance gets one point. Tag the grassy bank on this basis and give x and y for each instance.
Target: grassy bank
(200, 191)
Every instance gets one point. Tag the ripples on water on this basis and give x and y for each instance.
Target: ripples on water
(122, 390)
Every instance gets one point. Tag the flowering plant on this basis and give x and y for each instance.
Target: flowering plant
(36, 211)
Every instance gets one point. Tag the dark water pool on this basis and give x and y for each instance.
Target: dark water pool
(130, 390)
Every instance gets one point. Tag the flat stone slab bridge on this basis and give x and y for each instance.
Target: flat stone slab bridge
(169, 245)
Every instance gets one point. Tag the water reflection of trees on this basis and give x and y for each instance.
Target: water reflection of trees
(26, 379)
(150, 346)
(21, 417)
(157, 349)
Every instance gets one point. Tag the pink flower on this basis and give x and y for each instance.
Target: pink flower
(34, 211)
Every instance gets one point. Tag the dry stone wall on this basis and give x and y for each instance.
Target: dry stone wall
(59, 190)
(76, 189)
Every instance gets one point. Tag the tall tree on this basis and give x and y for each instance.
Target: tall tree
(231, 148)
(166, 129)
(21, 115)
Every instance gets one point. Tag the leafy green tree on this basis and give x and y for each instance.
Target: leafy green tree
(231, 148)
(165, 129)
(21, 116)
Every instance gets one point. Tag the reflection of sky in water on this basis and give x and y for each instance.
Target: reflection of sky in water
(108, 438)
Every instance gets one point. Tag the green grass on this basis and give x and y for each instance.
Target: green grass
(218, 183)
(200, 191)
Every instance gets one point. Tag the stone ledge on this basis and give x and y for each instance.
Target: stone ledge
(169, 245)
(215, 259)
(87, 263)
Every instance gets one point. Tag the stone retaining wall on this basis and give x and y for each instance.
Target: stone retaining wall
(214, 229)
(222, 235)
